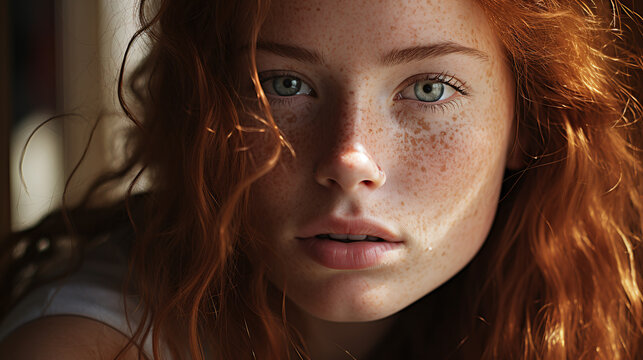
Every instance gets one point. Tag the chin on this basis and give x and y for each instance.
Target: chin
(348, 299)
(345, 314)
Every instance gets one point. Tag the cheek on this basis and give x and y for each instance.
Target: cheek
(451, 169)
(296, 124)
(292, 125)
(276, 192)
(448, 152)
(447, 184)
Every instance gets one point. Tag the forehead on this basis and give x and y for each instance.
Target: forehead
(353, 28)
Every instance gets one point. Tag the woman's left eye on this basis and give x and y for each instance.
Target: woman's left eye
(286, 85)
(429, 91)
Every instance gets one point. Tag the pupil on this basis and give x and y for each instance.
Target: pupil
(289, 83)
(427, 88)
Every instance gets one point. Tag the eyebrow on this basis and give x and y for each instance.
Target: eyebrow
(290, 51)
(416, 53)
(393, 57)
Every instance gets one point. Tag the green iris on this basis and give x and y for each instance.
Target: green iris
(286, 85)
(429, 91)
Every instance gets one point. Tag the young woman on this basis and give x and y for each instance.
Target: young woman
(365, 180)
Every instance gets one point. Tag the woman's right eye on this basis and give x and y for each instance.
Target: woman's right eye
(286, 85)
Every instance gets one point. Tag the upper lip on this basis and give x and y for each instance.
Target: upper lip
(354, 226)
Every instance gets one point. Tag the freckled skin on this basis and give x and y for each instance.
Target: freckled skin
(443, 165)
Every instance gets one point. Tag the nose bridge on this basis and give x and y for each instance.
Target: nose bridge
(349, 162)
(355, 116)
(352, 119)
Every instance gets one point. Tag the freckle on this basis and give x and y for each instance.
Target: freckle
(454, 118)
(433, 138)
(443, 253)
(402, 203)
(443, 168)
(423, 169)
(424, 124)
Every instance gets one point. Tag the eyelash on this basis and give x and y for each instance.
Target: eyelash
(444, 77)
(281, 100)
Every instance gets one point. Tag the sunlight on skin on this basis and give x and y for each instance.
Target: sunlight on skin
(430, 172)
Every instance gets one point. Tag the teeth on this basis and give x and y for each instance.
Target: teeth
(348, 237)
(338, 236)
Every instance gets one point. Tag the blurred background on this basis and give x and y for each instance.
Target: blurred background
(62, 57)
(58, 57)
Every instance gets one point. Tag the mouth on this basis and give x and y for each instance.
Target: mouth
(350, 238)
(348, 230)
(350, 244)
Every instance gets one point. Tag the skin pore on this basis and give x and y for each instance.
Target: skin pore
(342, 79)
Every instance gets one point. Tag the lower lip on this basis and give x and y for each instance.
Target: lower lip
(348, 256)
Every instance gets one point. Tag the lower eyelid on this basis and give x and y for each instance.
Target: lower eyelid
(442, 106)
(285, 100)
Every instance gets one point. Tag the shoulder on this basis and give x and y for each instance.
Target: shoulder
(66, 337)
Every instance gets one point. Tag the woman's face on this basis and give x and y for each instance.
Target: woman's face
(400, 115)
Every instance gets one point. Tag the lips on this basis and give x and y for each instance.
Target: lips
(349, 238)
(340, 229)
(349, 244)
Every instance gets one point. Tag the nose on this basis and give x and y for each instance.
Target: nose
(351, 168)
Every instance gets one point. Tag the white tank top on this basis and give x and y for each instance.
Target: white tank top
(95, 292)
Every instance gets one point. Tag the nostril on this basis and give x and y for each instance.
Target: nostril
(330, 182)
